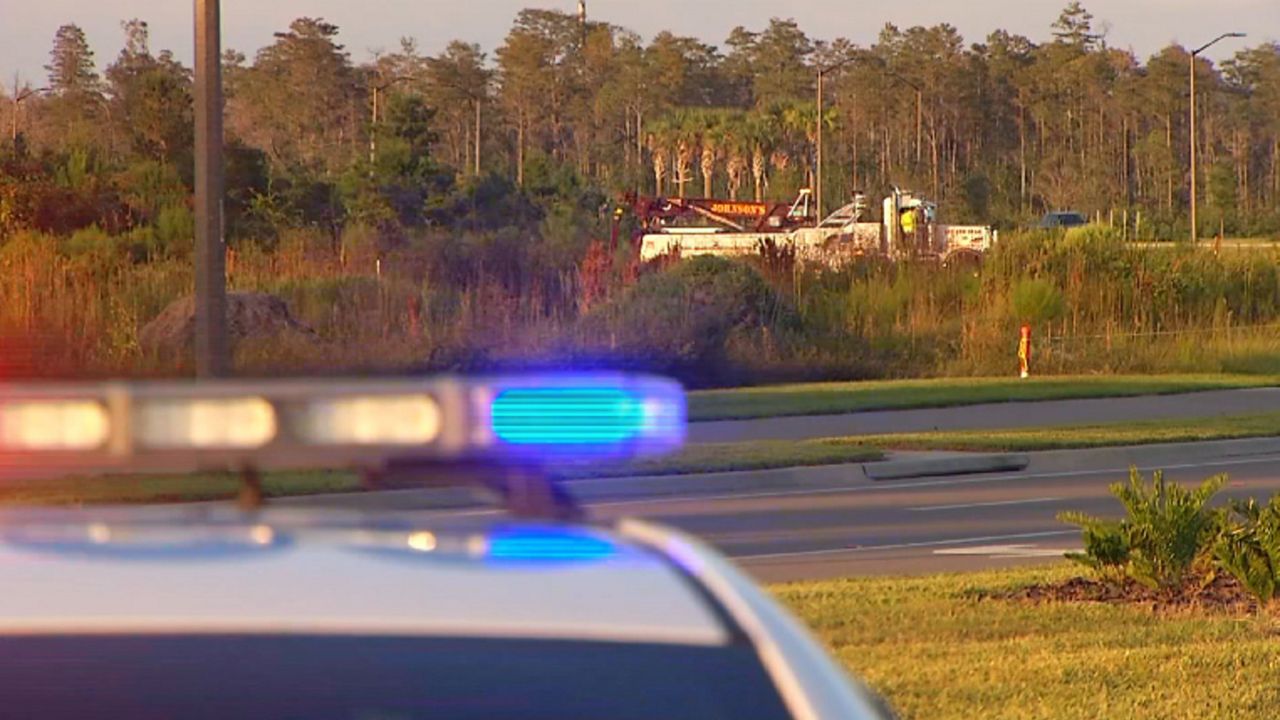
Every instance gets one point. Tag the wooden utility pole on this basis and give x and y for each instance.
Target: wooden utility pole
(212, 359)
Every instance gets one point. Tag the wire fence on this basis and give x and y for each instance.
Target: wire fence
(1162, 333)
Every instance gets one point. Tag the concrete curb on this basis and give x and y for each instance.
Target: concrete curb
(625, 489)
(957, 465)
(1159, 454)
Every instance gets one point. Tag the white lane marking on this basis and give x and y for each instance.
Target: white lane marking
(907, 546)
(964, 506)
(1005, 551)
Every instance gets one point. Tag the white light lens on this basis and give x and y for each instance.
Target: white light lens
(422, 541)
(372, 420)
(53, 425)
(205, 423)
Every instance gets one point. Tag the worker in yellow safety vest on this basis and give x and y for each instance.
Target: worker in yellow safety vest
(909, 229)
(1024, 351)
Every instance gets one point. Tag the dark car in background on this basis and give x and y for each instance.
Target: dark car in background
(1062, 219)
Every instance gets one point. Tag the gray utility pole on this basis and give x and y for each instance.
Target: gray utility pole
(1195, 234)
(212, 359)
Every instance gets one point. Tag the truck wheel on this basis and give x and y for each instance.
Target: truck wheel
(963, 260)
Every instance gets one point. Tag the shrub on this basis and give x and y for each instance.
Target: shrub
(681, 320)
(1037, 301)
(175, 232)
(1249, 549)
(1166, 529)
(1106, 545)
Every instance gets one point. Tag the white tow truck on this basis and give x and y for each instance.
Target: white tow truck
(908, 230)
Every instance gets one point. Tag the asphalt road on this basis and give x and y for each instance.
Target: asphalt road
(823, 522)
(925, 525)
(993, 416)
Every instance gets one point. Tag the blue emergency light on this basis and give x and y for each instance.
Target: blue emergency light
(591, 415)
(551, 544)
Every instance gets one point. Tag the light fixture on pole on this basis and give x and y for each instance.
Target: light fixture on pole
(18, 98)
(1194, 54)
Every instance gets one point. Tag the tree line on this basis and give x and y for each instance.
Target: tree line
(565, 114)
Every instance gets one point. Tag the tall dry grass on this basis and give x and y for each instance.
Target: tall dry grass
(74, 307)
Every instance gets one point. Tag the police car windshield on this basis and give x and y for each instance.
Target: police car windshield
(380, 677)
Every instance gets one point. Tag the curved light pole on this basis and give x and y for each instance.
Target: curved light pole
(18, 99)
(884, 66)
(1194, 54)
(377, 88)
(817, 176)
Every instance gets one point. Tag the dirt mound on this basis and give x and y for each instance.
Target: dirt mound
(250, 316)
(1221, 593)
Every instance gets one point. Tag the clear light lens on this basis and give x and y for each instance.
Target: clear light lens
(206, 423)
(53, 425)
(372, 420)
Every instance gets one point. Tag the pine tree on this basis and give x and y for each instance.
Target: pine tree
(1075, 27)
(71, 69)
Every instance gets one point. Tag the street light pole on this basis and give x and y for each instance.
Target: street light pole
(376, 90)
(20, 97)
(1194, 228)
(212, 359)
(817, 177)
(1194, 170)
(477, 137)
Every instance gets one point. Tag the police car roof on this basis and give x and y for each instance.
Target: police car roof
(131, 574)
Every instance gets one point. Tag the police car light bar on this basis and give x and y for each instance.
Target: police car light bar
(302, 424)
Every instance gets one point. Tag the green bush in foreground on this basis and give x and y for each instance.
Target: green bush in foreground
(1167, 528)
(1249, 548)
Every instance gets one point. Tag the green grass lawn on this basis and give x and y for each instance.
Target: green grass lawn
(935, 651)
(724, 457)
(822, 398)
(1146, 432)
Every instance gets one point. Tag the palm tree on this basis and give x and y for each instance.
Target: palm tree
(760, 134)
(712, 139)
(684, 128)
(660, 140)
(737, 147)
(798, 125)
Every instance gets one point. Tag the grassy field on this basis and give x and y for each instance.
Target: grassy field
(821, 398)
(1229, 427)
(724, 457)
(936, 651)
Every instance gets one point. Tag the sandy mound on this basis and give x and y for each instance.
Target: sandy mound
(250, 316)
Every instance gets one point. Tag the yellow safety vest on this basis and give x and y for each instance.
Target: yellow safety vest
(909, 221)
